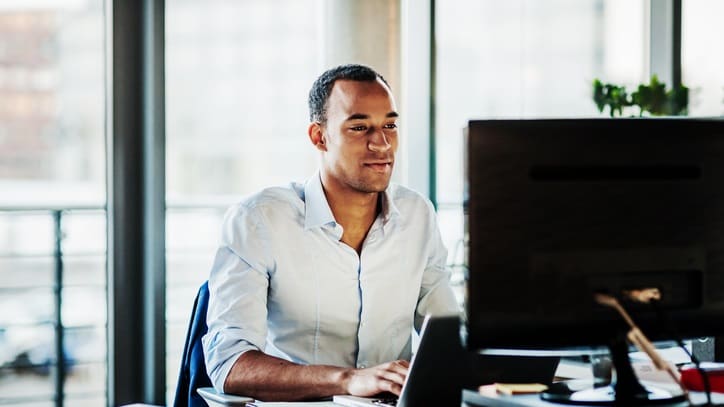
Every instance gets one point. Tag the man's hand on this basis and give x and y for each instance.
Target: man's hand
(263, 377)
(387, 377)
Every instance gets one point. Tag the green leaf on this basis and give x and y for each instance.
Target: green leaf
(652, 98)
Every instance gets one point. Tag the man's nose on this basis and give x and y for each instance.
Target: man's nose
(378, 141)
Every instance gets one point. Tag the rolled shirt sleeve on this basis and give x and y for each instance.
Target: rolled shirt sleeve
(238, 285)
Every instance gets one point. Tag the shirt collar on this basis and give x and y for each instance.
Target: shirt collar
(318, 213)
(389, 209)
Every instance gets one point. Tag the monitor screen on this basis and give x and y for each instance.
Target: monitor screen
(557, 210)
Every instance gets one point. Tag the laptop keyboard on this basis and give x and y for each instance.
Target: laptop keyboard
(388, 401)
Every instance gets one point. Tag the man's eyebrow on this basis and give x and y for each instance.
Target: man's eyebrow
(362, 116)
(358, 116)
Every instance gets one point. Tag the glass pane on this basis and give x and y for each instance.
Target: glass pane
(30, 402)
(85, 270)
(450, 218)
(204, 221)
(84, 232)
(85, 381)
(25, 272)
(26, 306)
(192, 270)
(526, 58)
(702, 59)
(26, 233)
(26, 357)
(52, 156)
(85, 400)
(83, 306)
(85, 345)
(225, 120)
(52, 104)
(232, 126)
(26, 388)
(523, 58)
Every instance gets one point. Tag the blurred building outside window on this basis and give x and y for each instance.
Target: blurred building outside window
(52, 173)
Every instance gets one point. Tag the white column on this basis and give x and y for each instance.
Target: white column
(365, 32)
(370, 32)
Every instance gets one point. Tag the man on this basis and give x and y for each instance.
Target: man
(316, 287)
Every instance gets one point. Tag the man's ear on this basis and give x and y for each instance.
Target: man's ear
(316, 136)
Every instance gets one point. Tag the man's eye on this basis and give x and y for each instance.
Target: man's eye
(391, 126)
(358, 128)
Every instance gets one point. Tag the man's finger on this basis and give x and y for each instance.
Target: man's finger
(399, 366)
(393, 388)
(393, 377)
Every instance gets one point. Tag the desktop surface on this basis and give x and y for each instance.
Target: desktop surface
(475, 398)
(472, 398)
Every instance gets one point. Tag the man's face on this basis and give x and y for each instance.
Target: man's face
(360, 136)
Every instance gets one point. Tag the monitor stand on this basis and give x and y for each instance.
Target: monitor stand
(625, 391)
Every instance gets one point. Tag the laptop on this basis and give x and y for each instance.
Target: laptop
(441, 368)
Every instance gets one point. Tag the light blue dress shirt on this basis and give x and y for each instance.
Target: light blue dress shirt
(282, 281)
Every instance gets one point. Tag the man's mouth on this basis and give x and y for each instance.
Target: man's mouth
(379, 166)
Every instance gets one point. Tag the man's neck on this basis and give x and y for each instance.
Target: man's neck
(354, 210)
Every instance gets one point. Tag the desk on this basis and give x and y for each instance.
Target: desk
(473, 398)
(297, 404)
(216, 399)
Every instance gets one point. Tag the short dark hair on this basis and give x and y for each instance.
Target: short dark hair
(322, 87)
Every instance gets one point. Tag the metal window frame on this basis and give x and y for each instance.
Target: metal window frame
(135, 135)
(664, 40)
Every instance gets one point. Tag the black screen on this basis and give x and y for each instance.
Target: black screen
(559, 209)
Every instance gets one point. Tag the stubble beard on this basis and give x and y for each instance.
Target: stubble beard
(370, 184)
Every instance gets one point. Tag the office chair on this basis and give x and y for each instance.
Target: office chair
(194, 387)
(192, 374)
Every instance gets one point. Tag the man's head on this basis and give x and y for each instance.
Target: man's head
(322, 87)
(354, 126)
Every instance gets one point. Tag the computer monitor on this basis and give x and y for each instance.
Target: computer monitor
(557, 210)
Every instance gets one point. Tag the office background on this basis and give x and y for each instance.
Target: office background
(127, 127)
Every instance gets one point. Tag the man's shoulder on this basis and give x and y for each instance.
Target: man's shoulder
(272, 198)
(404, 196)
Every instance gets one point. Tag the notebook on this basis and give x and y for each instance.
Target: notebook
(441, 368)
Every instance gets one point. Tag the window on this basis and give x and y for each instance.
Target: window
(236, 119)
(702, 62)
(52, 204)
(523, 58)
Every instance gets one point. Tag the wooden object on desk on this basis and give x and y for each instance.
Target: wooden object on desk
(512, 388)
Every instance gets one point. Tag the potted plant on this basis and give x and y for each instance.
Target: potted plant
(652, 98)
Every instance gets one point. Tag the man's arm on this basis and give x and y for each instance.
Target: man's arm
(256, 374)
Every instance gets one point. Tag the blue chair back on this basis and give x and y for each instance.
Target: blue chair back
(192, 374)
